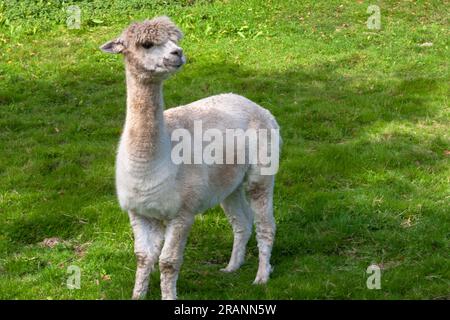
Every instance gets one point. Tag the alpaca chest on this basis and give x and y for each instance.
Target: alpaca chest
(154, 196)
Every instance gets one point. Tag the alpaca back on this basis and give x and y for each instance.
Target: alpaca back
(202, 186)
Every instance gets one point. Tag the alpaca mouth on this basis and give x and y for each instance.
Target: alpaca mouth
(175, 64)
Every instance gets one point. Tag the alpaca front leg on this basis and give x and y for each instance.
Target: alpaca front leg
(148, 240)
(172, 254)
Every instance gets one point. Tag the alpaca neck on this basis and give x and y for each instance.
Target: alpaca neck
(145, 133)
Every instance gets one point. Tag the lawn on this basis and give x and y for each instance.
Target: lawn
(364, 172)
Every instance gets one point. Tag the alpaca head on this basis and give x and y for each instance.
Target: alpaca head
(150, 48)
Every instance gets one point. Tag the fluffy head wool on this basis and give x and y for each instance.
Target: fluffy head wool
(155, 31)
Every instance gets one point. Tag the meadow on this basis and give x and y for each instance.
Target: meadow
(364, 171)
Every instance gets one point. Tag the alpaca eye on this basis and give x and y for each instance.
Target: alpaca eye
(147, 45)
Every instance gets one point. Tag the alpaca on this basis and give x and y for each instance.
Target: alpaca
(161, 197)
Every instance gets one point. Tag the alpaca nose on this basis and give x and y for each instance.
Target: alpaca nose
(178, 52)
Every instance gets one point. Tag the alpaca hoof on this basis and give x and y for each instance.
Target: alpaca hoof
(263, 277)
(261, 280)
(137, 297)
(228, 269)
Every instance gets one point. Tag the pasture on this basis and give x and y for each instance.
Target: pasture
(364, 171)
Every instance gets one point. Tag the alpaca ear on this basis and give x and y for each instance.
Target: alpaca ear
(175, 35)
(113, 46)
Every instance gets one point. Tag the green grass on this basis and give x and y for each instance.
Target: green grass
(364, 175)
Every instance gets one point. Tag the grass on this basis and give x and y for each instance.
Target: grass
(364, 175)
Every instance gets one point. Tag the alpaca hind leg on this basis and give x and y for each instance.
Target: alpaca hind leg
(240, 216)
(148, 240)
(260, 192)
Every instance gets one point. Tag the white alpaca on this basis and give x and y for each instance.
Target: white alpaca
(162, 198)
